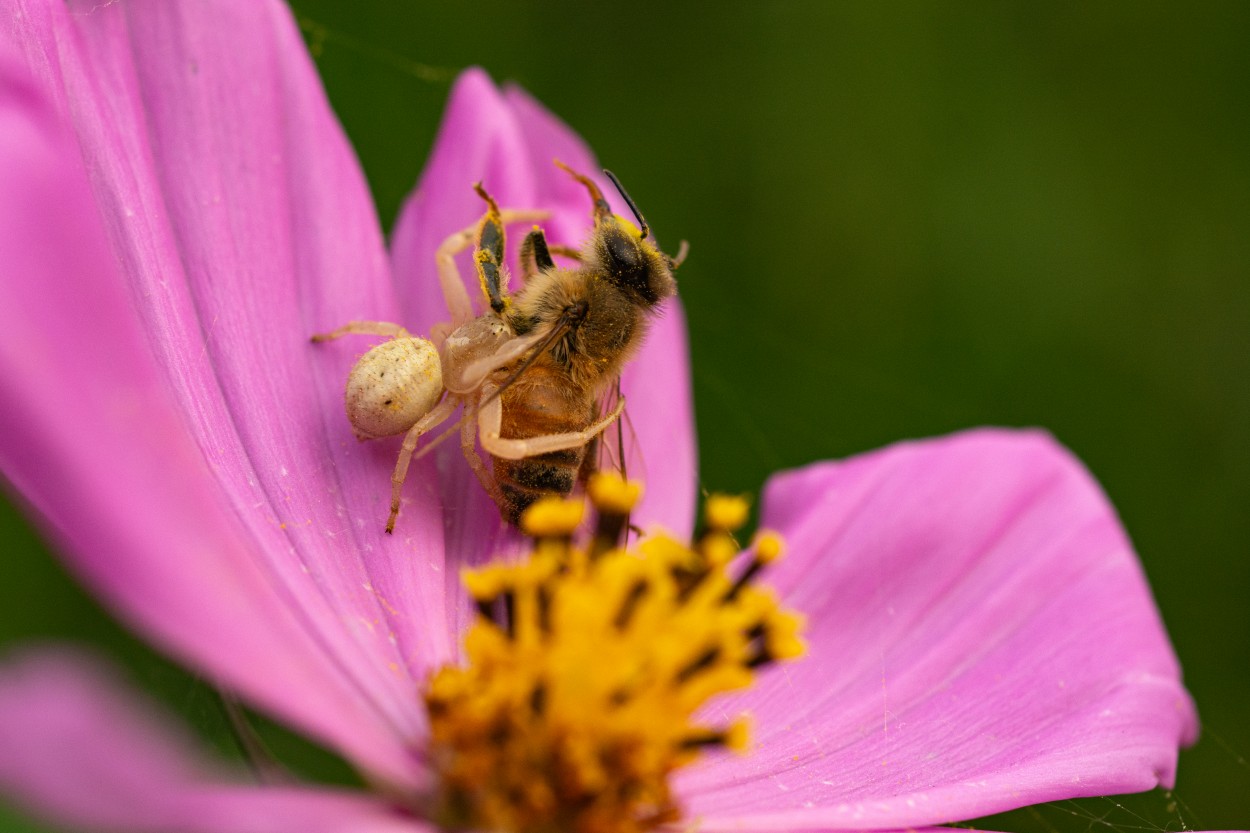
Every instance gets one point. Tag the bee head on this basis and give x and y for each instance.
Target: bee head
(621, 250)
(630, 262)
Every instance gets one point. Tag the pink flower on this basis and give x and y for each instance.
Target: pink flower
(181, 210)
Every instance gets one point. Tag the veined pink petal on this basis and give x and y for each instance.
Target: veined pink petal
(241, 224)
(508, 141)
(79, 751)
(981, 637)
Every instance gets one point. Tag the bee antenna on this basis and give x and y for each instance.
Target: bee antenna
(632, 207)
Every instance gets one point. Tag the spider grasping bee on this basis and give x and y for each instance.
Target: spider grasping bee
(534, 370)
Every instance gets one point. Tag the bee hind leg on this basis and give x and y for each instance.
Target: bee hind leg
(455, 295)
(536, 254)
(489, 253)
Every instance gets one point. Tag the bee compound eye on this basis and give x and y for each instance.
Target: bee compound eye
(623, 251)
(392, 386)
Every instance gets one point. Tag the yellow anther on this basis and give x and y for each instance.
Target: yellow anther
(769, 546)
(484, 645)
(727, 512)
(668, 552)
(782, 637)
(552, 517)
(444, 686)
(484, 584)
(738, 735)
(757, 603)
(610, 492)
(718, 548)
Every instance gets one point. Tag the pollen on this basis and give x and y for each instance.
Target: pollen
(613, 493)
(585, 669)
(552, 518)
(726, 512)
(769, 547)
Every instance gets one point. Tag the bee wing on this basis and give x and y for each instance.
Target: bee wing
(539, 341)
(475, 372)
(618, 447)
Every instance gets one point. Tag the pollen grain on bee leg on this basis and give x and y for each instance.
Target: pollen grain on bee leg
(576, 705)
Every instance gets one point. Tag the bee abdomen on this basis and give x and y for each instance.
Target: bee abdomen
(534, 410)
(525, 481)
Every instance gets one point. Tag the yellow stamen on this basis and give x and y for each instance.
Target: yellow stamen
(483, 585)
(738, 736)
(726, 512)
(552, 517)
(769, 546)
(610, 492)
(570, 716)
(718, 548)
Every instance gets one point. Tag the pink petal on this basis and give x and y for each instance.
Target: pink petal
(81, 752)
(981, 638)
(508, 142)
(241, 225)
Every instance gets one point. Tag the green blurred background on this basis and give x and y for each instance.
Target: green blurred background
(905, 219)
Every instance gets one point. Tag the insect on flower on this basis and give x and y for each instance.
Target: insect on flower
(534, 371)
(977, 591)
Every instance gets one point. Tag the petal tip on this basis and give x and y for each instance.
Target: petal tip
(474, 84)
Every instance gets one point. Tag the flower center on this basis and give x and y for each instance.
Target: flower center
(586, 665)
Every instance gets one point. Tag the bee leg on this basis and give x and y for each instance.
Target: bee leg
(679, 258)
(433, 418)
(535, 256)
(488, 255)
(565, 251)
(602, 211)
(490, 421)
(468, 445)
(454, 293)
(363, 328)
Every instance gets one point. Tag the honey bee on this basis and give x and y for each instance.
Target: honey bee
(533, 370)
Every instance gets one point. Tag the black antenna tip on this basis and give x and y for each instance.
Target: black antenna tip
(628, 201)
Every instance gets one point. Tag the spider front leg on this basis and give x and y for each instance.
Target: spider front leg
(363, 328)
(490, 423)
(433, 418)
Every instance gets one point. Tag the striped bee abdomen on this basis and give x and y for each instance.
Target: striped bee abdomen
(542, 402)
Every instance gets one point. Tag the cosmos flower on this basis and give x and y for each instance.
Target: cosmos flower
(181, 210)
